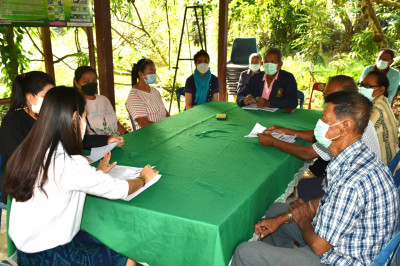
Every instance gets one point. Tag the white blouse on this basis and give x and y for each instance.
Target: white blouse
(44, 222)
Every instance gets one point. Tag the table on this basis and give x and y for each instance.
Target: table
(215, 185)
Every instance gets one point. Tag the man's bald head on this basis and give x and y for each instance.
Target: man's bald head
(340, 83)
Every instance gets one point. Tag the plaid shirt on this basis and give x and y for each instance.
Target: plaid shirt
(359, 213)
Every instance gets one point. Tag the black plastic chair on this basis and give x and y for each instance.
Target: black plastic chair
(242, 48)
(180, 92)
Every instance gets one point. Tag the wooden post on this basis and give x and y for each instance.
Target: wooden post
(47, 51)
(104, 48)
(92, 56)
(222, 48)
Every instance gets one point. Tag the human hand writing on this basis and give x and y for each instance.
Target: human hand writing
(148, 173)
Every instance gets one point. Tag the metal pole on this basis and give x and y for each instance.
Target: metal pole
(198, 27)
(204, 27)
(177, 62)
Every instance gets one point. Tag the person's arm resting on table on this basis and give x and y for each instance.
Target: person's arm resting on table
(301, 151)
(247, 92)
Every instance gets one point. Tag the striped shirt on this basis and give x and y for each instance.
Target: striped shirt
(386, 128)
(359, 213)
(145, 104)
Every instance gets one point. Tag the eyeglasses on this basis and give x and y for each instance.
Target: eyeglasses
(367, 85)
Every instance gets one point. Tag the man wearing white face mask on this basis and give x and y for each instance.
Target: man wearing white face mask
(383, 65)
(202, 86)
(311, 188)
(356, 217)
(374, 87)
(272, 87)
(255, 62)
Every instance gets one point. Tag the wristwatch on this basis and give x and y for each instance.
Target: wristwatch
(144, 180)
(290, 217)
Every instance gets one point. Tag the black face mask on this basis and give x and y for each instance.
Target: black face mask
(90, 89)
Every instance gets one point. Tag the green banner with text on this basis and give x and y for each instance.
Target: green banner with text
(46, 13)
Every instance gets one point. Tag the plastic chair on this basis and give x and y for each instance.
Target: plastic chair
(316, 87)
(242, 48)
(388, 254)
(300, 96)
(180, 92)
(130, 118)
(392, 167)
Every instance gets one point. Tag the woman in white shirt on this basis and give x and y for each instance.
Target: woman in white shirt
(144, 103)
(48, 179)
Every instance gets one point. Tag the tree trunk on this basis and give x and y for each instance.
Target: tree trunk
(368, 10)
(13, 54)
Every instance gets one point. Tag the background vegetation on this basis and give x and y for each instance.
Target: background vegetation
(319, 38)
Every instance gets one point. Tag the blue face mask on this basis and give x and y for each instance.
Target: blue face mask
(320, 133)
(366, 92)
(150, 79)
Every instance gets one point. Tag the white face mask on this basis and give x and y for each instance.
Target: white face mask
(381, 65)
(83, 129)
(203, 68)
(36, 107)
(254, 67)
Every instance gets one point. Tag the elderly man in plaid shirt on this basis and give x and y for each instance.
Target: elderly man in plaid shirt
(356, 217)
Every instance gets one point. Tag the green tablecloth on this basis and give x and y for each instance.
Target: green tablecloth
(215, 185)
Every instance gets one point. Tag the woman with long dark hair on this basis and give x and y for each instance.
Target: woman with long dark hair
(48, 179)
(144, 103)
(27, 95)
(101, 117)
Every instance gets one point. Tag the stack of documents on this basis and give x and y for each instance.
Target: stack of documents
(253, 106)
(260, 129)
(128, 172)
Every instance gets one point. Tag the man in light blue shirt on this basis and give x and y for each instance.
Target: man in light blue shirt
(383, 63)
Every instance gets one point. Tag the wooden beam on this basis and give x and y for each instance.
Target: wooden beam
(92, 56)
(222, 48)
(47, 51)
(104, 48)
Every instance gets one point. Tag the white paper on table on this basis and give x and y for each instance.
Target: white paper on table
(128, 172)
(253, 106)
(257, 129)
(260, 129)
(98, 153)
